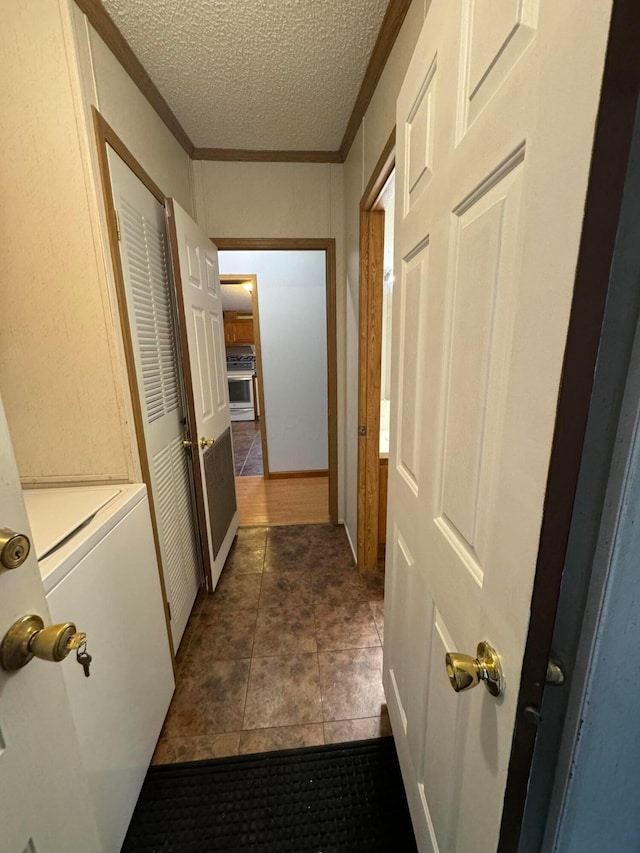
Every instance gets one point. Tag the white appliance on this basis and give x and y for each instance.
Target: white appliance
(97, 559)
(241, 398)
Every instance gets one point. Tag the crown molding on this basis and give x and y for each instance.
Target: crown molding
(106, 28)
(266, 156)
(104, 25)
(389, 29)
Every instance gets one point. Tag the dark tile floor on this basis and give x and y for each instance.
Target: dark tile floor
(247, 448)
(287, 652)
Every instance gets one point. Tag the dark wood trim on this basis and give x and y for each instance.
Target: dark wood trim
(293, 475)
(239, 279)
(260, 377)
(363, 355)
(370, 354)
(108, 31)
(389, 30)
(275, 244)
(249, 155)
(381, 173)
(106, 136)
(105, 132)
(187, 384)
(104, 25)
(328, 245)
(613, 134)
(372, 224)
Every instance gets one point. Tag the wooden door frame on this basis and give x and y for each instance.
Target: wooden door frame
(241, 279)
(370, 356)
(328, 246)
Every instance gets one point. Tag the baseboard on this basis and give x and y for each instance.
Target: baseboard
(353, 550)
(290, 475)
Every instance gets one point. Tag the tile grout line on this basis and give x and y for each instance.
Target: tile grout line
(315, 628)
(253, 644)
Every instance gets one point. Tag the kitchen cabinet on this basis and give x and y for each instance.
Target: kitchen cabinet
(238, 329)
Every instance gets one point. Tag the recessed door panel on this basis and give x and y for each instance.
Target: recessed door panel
(216, 337)
(204, 374)
(495, 34)
(194, 276)
(445, 736)
(420, 132)
(413, 310)
(483, 293)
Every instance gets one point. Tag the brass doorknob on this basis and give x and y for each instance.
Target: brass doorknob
(205, 442)
(28, 638)
(465, 672)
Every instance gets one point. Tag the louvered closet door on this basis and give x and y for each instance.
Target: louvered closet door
(145, 265)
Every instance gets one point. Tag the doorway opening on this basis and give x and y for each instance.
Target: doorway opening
(374, 363)
(280, 323)
(244, 374)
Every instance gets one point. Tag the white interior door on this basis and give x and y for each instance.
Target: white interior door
(45, 805)
(197, 280)
(145, 269)
(495, 125)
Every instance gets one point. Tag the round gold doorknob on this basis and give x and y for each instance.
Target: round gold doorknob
(465, 672)
(205, 442)
(28, 638)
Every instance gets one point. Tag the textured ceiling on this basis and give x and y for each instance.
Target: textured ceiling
(275, 74)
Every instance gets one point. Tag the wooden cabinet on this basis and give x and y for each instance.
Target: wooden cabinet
(238, 329)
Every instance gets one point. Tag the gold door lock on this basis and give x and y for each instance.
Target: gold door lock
(14, 548)
(28, 638)
(465, 672)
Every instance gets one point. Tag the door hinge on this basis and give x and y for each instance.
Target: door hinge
(362, 430)
(169, 610)
(118, 226)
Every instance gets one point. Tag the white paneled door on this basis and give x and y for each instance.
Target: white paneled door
(197, 281)
(45, 805)
(495, 124)
(146, 272)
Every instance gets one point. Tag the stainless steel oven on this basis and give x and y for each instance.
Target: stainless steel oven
(241, 399)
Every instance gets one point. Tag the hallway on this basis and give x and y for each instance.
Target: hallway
(287, 652)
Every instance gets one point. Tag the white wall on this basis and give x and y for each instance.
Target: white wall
(292, 303)
(370, 140)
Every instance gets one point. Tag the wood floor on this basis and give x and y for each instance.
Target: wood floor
(303, 500)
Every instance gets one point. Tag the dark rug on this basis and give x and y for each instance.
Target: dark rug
(340, 797)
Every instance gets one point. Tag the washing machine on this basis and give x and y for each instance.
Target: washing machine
(97, 559)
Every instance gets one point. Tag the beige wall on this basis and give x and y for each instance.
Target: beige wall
(59, 378)
(374, 132)
(280, 200)
(108, 87)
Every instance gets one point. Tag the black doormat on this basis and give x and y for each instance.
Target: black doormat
(341, 797)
